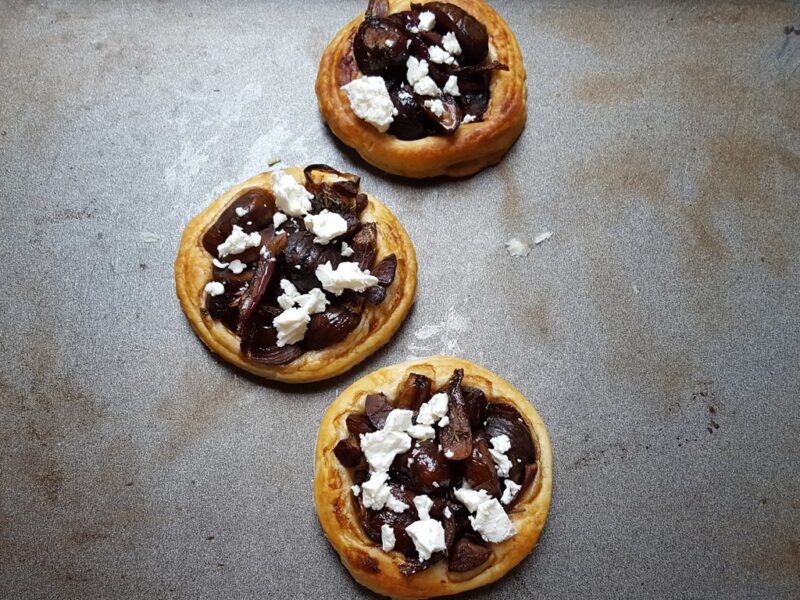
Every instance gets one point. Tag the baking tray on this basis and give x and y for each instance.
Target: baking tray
(656, 332)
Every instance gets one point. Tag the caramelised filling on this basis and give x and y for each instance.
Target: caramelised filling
(433, 60)
(436, 474)
(295, 267)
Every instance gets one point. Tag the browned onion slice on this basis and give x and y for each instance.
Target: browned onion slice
(416, 390)
(456, 436)
(467, 555)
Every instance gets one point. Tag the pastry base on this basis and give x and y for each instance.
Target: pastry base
(194, 268)
(365, 560)
(473, 147)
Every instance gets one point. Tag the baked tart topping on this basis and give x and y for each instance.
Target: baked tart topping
(295, 266)
(436, 472)
(421, 72)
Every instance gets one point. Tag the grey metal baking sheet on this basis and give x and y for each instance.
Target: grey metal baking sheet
(657, 331)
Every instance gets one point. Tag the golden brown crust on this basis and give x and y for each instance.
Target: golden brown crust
(367, 563)
(473, 147)
(193, 269)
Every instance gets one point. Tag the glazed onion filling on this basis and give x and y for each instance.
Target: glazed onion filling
(435, 475)
(423, 72)
(295, 266)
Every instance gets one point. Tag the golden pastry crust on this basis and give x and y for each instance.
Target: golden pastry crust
(471, 148)
(193, 270)
(365, 560)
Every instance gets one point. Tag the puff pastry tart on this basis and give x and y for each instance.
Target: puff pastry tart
(296, 275)
(425, 89)
(432, 477)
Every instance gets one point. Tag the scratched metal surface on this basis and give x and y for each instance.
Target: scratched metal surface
(656, 332)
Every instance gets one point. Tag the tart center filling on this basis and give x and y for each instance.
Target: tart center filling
(295, 266)
(436, 474)
(425, 71)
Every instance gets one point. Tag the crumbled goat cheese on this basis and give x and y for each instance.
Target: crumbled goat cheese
(428, 537)
(423, 505)
(451, 86)
(371, 102)
(422, 432)
(237, 266)
(398, 419)
(347, 276)
(427, 21)
(444, 421)
(427, 87)
(219, 264)
(542, 237)
(435, 106)
(291, 326)
(472, 499)
(416, 69)
(287, 299)
(389, 43)
(500, 445)
(380, 448)
(241, 211)
(291, 197)
(347, 251)
(447, 512)
(517, 247)
(214, 288)
(326, 226)
(448, 454)
(450, 43)
(468, 119)
(492, 522)
(433, 410)
(387, 533)
(377, 494)
(510, 491)
(356, 489)
(278, 219)
(440, 56)
(238, 241)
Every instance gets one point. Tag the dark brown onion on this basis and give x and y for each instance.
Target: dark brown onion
(504, 419)
(377, 409)
(470, 33)
(467, 555)
(474, 104)
(365, 246)
(259, 344)
(456, 436)
(372, 520)
(479, 469)
(375, 294)
(385, 270)
(359, 424)
(348, 452)
(312, 185)
(415, 391)
(469, 70)
(449, 120)
(372, 54)
(225, 308)
(232, 281)
(260, 206)
(261, 279)
(475, 400)
(362, 200)
(330, 327)
(428, 467)
(377, 8)
(410, 122)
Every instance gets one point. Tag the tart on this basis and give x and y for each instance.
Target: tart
(425, 89)
(432, 477)
(296, 275)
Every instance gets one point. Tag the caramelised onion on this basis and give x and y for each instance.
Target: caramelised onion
(372, 520)
(449, 120)
(377, 409)
(385, 270)
(467, 555)
(410, 122)
(479, 469)
(430, 471)
(259, 341)
(261, 279)
(504, 419)
(415, 391)
(330, 327)
(359, 424)
(373, 55)
(348, 451)
(365, 246)
(456, 436)
(259, 206)
(475, 401)
(470, 33)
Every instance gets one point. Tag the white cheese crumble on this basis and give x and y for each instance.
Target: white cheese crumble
(510, 491)
(347, 276)
(428, 537)
(219, 264)
(448, 454)
(472, 499)
(356, 489)
(278, 219)
(347, 251)
(237, 266)
(433, 410)
(468, 119)
(238, 241)
(500, 445)
(387, 533)
(440, 56)
(423, 505)
(371, 102)
(326, 226)
(492, 522)
(542, 237)
(241, 211)
(435, 106)
(416, 69)
(427, 21)
(389, 43)
(381, 447)
(214, 288)
(450, 43)
(451, 86)
(376, 494)
(447, 512)
(422, 432)
(444, 421)
(291, 325)
(287, 299)
(313, 302)
(517, 247)
(291, 197)
(399, 419)
(427, 87)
